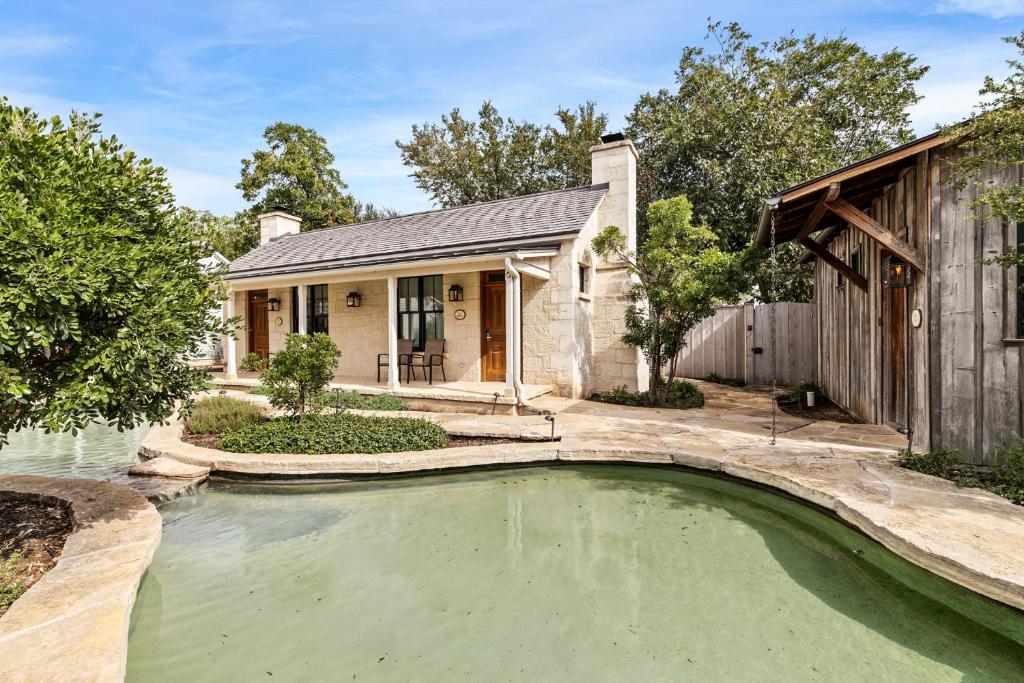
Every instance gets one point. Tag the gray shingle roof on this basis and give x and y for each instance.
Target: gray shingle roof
(547, 214)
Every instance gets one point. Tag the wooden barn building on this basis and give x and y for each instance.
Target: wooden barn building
(914, 330)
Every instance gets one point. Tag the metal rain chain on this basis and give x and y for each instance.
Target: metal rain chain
(771, 279)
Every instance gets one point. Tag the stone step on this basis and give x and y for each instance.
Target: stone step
(167, 467)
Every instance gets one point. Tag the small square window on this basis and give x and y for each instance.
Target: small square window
(584, 283)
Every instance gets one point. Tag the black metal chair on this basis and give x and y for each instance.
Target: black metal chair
(432, 357)
(404, 357)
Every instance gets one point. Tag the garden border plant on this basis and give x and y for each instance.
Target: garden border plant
(1005, 478)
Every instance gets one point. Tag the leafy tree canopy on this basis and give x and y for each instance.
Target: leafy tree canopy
(368, 211)
(232, 236)
(752, 118)
(995, 135)
(681, 273)
(460, 161)
(296, 172)
(101, 291)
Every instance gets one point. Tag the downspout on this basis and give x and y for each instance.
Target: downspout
(517, 333)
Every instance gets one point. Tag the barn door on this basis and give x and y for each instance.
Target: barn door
(894, 357)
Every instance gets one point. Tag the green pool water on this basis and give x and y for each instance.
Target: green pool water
(588, 574)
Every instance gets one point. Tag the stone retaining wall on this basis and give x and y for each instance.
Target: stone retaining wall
(72, 625)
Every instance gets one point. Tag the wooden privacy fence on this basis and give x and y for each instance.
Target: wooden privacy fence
(735, 343)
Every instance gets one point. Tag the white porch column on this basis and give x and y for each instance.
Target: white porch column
(230, 367)
(301, 313)
(510, 347)
(393, 374)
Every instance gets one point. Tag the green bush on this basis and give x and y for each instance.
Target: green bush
(222, 414)
(336, 433)
(681, 395)
(718, 379)
(329, 400)
(1005, 478)
(11, 587)
(253, 362)
(299, 372)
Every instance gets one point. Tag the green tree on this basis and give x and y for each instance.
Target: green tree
(232, 236)
(681, 274)
(994, 138)
(367, 211)
(296, 172)
(300, 371)
(101, 293)
(752, 118)
(460, 161)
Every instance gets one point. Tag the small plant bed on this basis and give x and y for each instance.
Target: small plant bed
(32, 536)
(339, 400)
(681, 395)
(462, 441)
(336, 433)
(795, 404)
(727, 381)
(1006, 478)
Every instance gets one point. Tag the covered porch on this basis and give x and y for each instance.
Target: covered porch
(375, 314)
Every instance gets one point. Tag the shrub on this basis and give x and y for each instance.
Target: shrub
(11, 585)
(715, 378)
(329, 400)
(336, 433)
(253, 362)
(1005, 478)
(222, 414)
(300, 371)
(681, 394)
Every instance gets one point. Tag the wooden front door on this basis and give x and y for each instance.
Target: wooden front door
(492, 325)
(259, 330)
(894, 357)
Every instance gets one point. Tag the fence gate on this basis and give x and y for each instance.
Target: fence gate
(735, 343)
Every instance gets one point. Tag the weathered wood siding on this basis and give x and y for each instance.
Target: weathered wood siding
(721, 344)
(963, 373)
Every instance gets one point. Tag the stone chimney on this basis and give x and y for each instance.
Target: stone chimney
(614, 162)
(278, 223)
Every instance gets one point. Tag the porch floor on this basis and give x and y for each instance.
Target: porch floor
(459, 391)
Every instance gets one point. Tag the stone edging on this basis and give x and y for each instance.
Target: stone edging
(72, 625)
(892, 525)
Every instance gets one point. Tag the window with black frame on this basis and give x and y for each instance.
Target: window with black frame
(1020, 284)
(316, 309)
(420, 309)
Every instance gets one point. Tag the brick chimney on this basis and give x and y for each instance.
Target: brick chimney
(614, 162)
(278, 223)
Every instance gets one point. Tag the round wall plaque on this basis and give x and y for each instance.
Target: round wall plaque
(915, 317)
(279, 321)
(460, 314)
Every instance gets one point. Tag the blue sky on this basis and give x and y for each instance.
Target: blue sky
(193, 84)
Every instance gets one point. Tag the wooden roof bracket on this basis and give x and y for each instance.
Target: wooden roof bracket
(816, 214)
(860, 220)
(835, 262)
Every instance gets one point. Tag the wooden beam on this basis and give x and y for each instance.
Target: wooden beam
(875, 230)
(816, 214)
(832, 260)
(862, 167)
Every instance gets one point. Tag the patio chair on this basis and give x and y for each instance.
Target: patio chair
(404, 357)
(432, 357)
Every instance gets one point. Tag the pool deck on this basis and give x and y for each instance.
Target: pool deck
(966, 535)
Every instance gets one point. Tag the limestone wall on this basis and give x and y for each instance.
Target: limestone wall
(463, 336)
(361, 333)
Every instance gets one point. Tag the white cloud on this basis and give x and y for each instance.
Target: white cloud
(994, 9)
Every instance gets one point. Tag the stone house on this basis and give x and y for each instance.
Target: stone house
(511, 287)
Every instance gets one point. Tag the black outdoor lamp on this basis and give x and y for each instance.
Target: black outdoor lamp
(273, 304)
(455, 293)
(895, 273)
(353, 300)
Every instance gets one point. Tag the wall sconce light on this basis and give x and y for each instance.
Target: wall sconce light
(353, 300)
(895, 273)
(273, 304)
(455, 293)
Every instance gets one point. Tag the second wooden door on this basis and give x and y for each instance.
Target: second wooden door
(492, 325)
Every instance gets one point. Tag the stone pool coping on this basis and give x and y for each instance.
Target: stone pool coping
(969, 536)
(72, 625)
